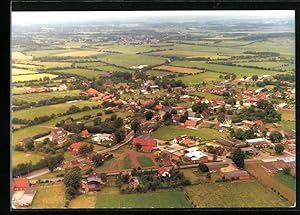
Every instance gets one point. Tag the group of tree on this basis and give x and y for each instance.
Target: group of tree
(72, 180)
(98, 160)
(199, 107)
(110, 125)
(240, 134)
(86, 149)
(136, 126)
(238, 157)
(35, 121)
(184, 117)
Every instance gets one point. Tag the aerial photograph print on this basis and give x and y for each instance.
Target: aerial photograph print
(153, 109)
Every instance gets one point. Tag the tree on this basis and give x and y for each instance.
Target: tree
(72, 180)
(84, 149)
(167, 117)
(29, 145)
(97, 160)
(254, 77)
(221, 117)
(138, 147)
(276, 136)
(120, 135)
(183, 118)
(173, 111)
(279, 148)
(135, 126)
(54, 161)
(238, 157)
(148, 115)
(249, 134)
(203, 167)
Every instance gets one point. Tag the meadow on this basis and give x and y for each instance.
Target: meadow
(56, 192)
(285, 179)
(110, 198)
(239, 71)
(84, 201)
(81, 72)
(191, 80)
(170, 132)
(233, 195)
(30, 77)
(145, 161)
(17, 71)
(178, 69)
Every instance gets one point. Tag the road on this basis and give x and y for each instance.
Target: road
(37, 173)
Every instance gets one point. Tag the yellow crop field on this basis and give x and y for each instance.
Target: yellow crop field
(30, 77)
(20, 56)
(16, 71)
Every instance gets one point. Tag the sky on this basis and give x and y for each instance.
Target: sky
(29, 18)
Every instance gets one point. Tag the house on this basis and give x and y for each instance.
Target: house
(279, 164)
(191, 123)
(146, 141)
(277, 125)
(213, 167)
(28, 196)
(257, 142)
(225, 142)
(163, 172)
(259, 122)
(98, 138)
(58, 135)
(92, 183)
(91, 92)
(85, 133)
(195, 156)
(290, 134)
(20, 184)
(248, 123)
(74, 148)
(236, 175)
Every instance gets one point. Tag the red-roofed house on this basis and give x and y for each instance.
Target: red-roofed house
(158, 107)
(146, 141)
(187, 141)
(20, 184)
(85, 133)
(259, 122)
(163, 171)
(74, 148)
(91, 92)
(191, 123)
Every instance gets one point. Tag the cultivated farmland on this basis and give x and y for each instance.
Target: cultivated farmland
(30, 77)
(178, 69)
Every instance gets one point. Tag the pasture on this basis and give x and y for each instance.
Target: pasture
(250, 194)
(191, 80)
(84, 201)
(190, 54)
(81, 72)
(22, 157)
(239, 71)
(109, 197)
(170, 132)
(31, 77)
(52, 64)
(56, 192)
(286, 180)
(178, 69)
(17, 71)
(35, 97)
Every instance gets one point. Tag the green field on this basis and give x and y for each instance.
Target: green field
(239, 71)
(159, 73)
(199, 78)
(266, 64)
(288, 124)
(110, 198)
(30, 113)
(82, 72)
(52, 64)
(170, 132)
(22, 157)
(17, 71)
(84, 201)
(31, 77)
(145, 161)
(35, 97)
(128, 60)
(233, 195)
(52, 196)
(285, 179)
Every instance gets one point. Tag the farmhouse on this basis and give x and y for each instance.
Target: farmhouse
(98, 138)
(146, 141)
(74, 148)
(20, 184)
(91, 92)
(226, 143)
(58, 135)
(92, 183)
(195, 156)
(257, 142)
(191, 123)
(85, 133)
(236, 175)
(28, 196)
(163, 172)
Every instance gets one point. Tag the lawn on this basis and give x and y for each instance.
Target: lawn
(82, 72)
(199, 78)
(127, 162)
(170, 132)
(110, 198)
(145, 161)
(30, 113)
(30, 77)
(35, 97)
(233, 195)
(83, 201)
(239, 71)
(49, 196)
(286, 180)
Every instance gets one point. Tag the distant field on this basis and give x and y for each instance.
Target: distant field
(82, 53)
(27, 66)
(128, 60)
(52, 64)
(264, 64)
(35, 97)
(129, 49)
(48, 52)
(285, 179)
(20, 56)
(82, 72)
(43, 200)
(190, 54)
(233, 195)
(199, 78)
(110, 198)
(158, 73)
(16, 71)
(30, 113)
(239, 71)
(145, 161)
(31, 77)
(178, 69)
(170, 132)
